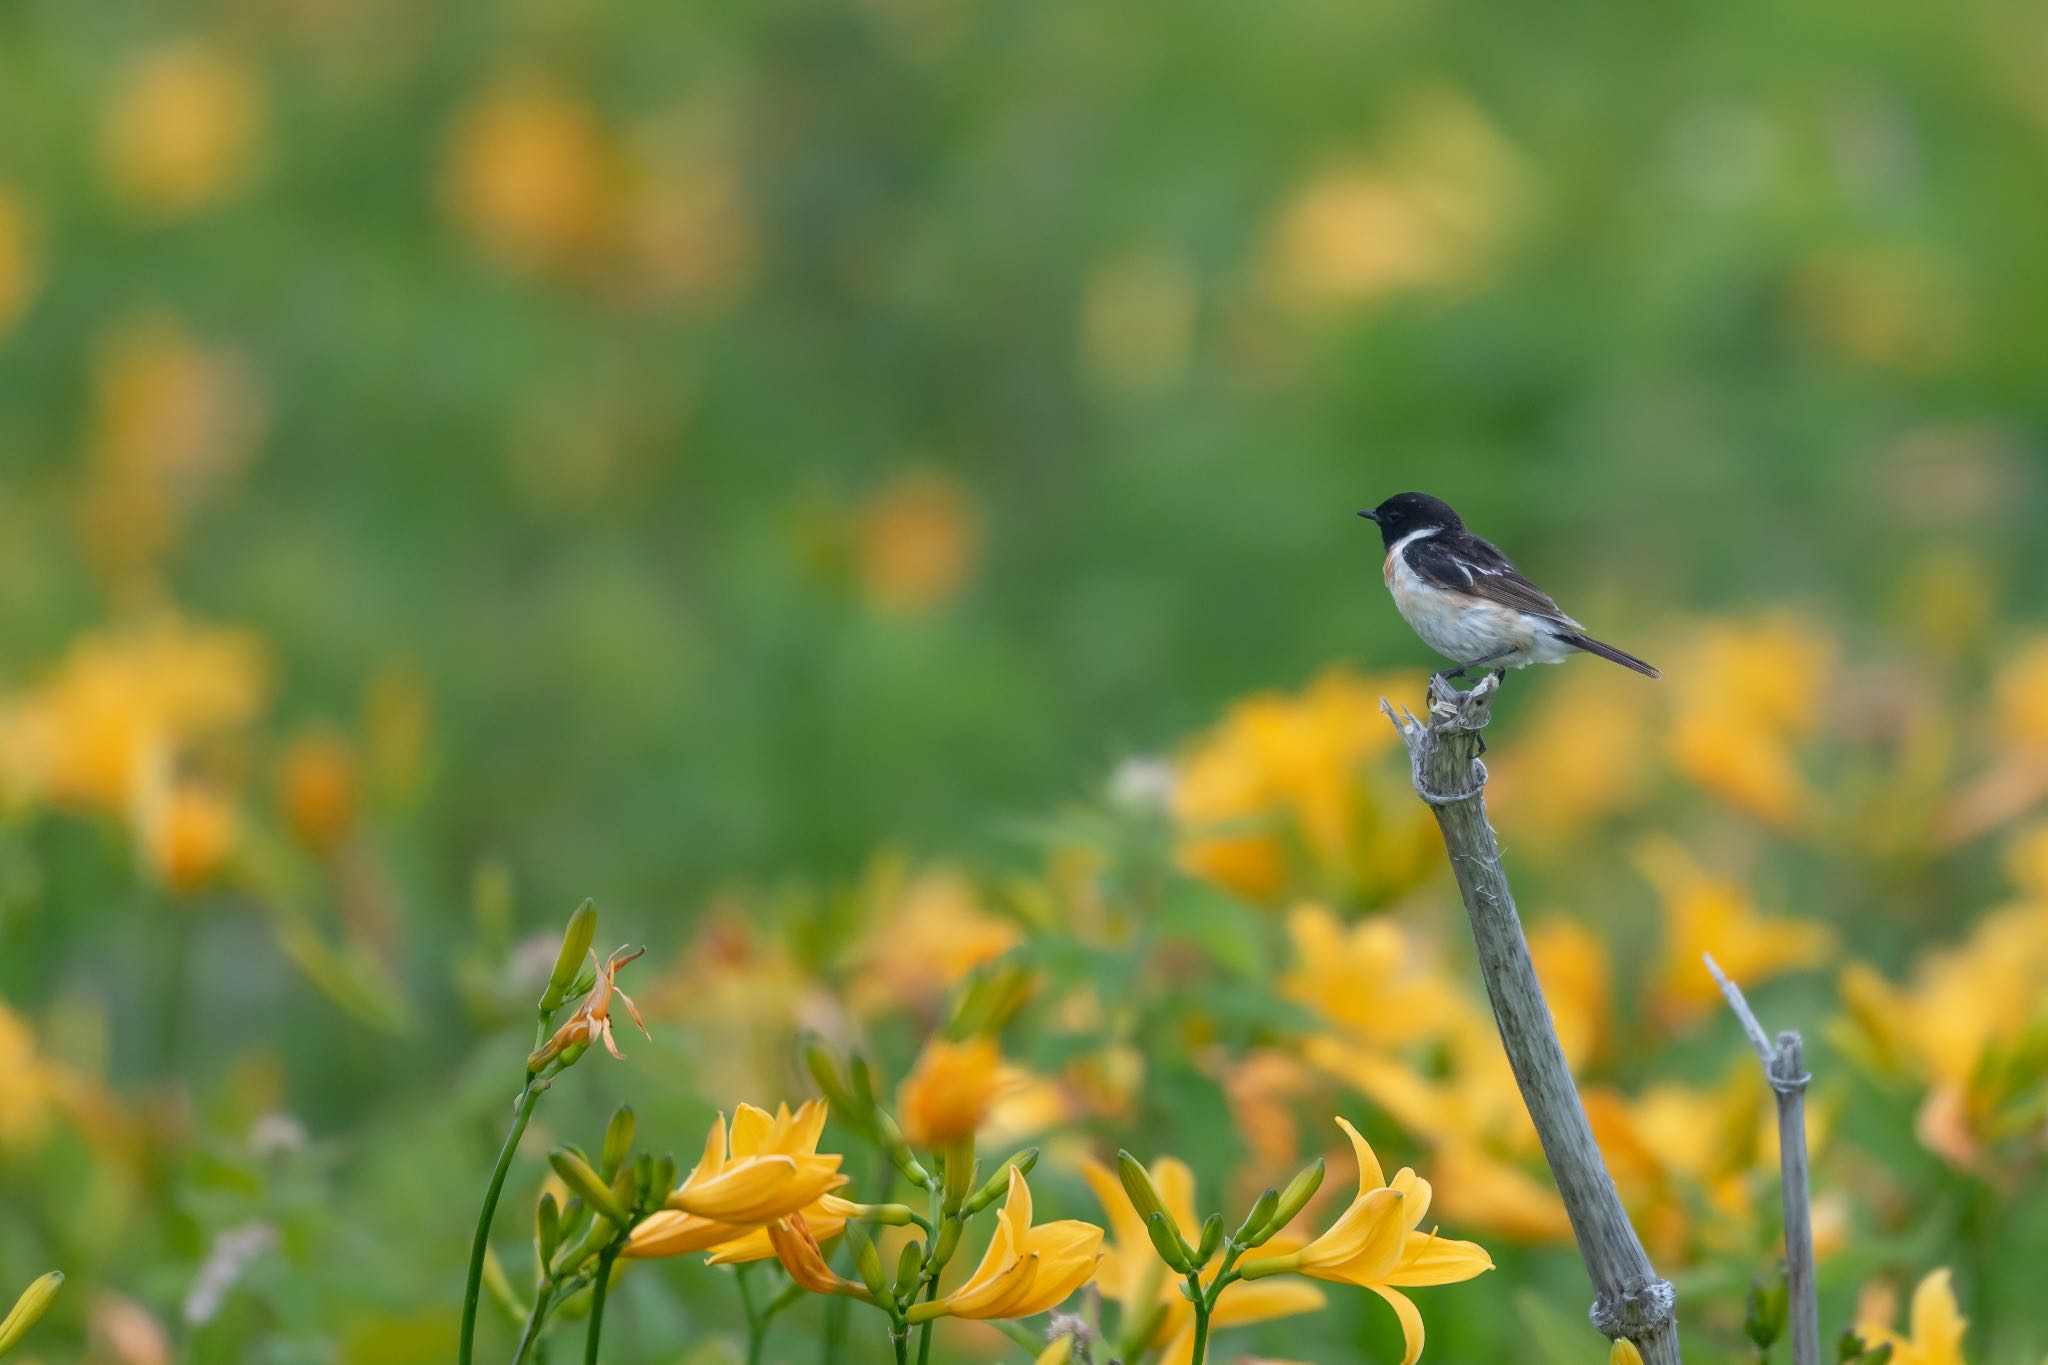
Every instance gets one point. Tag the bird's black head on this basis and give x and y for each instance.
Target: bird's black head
(1406, 513)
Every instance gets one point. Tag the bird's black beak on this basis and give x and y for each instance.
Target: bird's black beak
(1370, 515)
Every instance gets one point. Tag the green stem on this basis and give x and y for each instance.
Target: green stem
(480, 1244)
(1201, 1301)
(757, 1322)
(597, 1296)
(542, 1302)
(924, 1332)
(1032, 1345)
(900, 1339)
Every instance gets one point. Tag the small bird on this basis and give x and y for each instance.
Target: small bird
(1465, 599)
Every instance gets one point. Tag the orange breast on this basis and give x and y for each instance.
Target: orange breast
(1387, 571)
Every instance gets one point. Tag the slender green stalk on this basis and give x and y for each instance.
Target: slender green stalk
(757, 1321)
(542, 1303)
(597, 1296)
(900, 1339)
(482, 1241)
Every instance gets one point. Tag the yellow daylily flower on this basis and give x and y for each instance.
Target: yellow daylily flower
(666, 1232)
(1935, 1324)
(771, 1169)
(1708, 913)
(1026, 1269)
(1374, 1245)
(1132, 1274)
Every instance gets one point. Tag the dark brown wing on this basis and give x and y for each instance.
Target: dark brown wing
(1465, 563)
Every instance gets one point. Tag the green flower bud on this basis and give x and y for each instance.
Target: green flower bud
(1764, 1321)
(947, 1241)
(831, 1083)
(28, 1310)
(888, 1215)
(1212, 1237)
(618, 1141)
(1137, 1181)
(959, 1170)
(569, 962)
(547, 1225)
(577, 1175)
(1167, 1242)
(909, 1269)
(867, 1261)
(898, 1147)
(1295, 1198)
(998, 1184)
(1253, 1231)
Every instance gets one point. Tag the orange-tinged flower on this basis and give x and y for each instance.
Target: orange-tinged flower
(1704, 913)
(187, 835)
(181, 131)
(1132, 1274)
(533, 175)
(1934, 1326)
(1494, 1194)
(930, 931)
(916, 542)
(797, 1249)
(772, 1167)
(1744, 692)
(317, 788)
(1374, 1245)
(592, 1020)
(1583, 756)
(1026, 1269)
(947, 1095)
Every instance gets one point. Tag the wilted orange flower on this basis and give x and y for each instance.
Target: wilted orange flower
(181, 130)
(916, 542)
(592, 1020)
(1704, 913)
(1283, 773)
(1132, 1274)
(1026, 1269)
(947, 1095)
(317, 788)
(797, 1248)
(532, 174)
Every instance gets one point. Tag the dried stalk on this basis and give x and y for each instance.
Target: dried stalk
(1630, 1299)
(1785, 1070)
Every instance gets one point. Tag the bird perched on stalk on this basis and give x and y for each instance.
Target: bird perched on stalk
(1466, 600)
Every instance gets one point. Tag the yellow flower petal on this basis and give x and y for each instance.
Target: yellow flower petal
(1429, 1259)
(1411, 1321)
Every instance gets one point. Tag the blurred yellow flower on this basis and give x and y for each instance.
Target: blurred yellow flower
(1026, 1269)
(532, 174)
(689, 231)
(1374, 1245)
(1742, 693)
(173, 420)
(1972, 1027)
(1272, 800)
(181, 129)
(2017, 779)
(1584, 754)
(1571, 963)
(1934, 1324)
(916, 540)
(124, 706)
(949, 1092)
(35, 1087)
(316, 782)
(17, 260)
(1494, 1194)
(1704, 913)
(1137, 320)
(1429, 212)
(1375, 978)
(1133, 1275)
(186, 835)
(1894, 308)
(772, 1168)
(929, 931)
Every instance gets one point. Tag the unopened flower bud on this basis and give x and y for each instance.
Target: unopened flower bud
(998, 1184)
(1255, 1229)
(893, 1142)
(1167, 1242)
(909, 1268)
(1212, 1237)
(576, 939)
(959, 1170)
(867, 1261)
(1295, 1198)
(618, 1141)
(578, 1176)
(28, 1310)
(547, 1224)
(831, 1082)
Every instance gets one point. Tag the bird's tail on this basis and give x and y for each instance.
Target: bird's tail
(1609, 652)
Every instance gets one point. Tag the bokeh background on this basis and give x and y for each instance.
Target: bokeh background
(822, 478)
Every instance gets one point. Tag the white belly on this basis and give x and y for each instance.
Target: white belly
(1463, 628)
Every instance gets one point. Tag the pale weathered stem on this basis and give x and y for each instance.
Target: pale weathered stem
(1785, 1070)
(1630, 1299)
